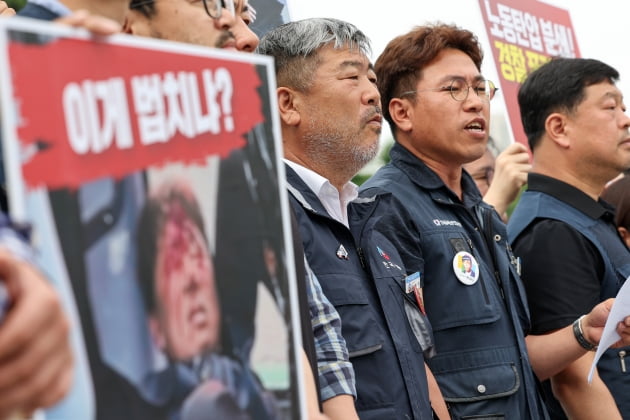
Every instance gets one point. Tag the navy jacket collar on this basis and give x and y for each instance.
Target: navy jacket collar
(423, 176)
(302, 193)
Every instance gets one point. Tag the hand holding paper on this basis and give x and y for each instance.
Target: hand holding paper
(614, 334)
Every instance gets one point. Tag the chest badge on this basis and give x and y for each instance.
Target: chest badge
(342, 253)
(466, 268)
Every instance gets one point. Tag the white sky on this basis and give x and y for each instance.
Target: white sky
(601, 29)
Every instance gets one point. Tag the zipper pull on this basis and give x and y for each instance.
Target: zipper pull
(361, 257)
(622, 355)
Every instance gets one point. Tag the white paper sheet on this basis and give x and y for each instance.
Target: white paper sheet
(620, 309)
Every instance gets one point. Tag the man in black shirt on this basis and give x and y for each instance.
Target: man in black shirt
(572, 256)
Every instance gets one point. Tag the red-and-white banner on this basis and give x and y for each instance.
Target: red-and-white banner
(142, 108)
(523, 36)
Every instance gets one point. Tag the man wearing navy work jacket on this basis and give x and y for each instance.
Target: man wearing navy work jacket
(331, 120)
(438, 104)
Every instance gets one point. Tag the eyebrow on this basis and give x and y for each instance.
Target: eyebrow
(617, 96)
(450, 77)
(354, 63)
(613, 94)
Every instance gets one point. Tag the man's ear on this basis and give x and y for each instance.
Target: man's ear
(135, 23)
(625, 235)
(127, 27)
(289, 106)
(400, 111)
(556, 129)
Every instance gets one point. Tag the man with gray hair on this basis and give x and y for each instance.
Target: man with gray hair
(331, 121)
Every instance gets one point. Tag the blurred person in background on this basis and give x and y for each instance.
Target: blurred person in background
(500, 179)
(618, 194)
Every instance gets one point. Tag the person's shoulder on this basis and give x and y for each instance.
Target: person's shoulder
(547, 226)
(382, 181)
(382, 211)
(552, 235)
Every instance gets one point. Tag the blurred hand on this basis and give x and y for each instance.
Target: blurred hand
(5, 10)
(96, 24)
(36, 364)
(510, 174)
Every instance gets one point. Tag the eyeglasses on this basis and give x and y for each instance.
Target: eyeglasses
(458, 87)
(214, 8)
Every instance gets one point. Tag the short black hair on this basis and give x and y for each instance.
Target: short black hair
(147, 8)
(558, 85)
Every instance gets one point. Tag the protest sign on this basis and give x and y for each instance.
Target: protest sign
(523, 36)
(151, 174)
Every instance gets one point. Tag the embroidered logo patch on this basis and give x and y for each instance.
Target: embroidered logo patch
(438, 222)
(382, 253)
(342, 253)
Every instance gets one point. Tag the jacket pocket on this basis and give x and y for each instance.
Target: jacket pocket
(381, 413)
(378, 413)
(358, 326)
(469, 304)
(479, 383)
(421, 329)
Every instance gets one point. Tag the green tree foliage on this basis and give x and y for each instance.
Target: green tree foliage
(16, 4)
(381, 159)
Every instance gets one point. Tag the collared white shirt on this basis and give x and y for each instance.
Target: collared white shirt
(335, 202)
(54, 6)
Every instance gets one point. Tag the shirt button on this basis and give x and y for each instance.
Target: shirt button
(481, 389)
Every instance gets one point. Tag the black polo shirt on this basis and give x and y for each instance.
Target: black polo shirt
(561, 269)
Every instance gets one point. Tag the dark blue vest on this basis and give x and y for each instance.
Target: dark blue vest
(387, 360)
(616, 257)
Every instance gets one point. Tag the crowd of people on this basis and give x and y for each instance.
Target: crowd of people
(423, 303)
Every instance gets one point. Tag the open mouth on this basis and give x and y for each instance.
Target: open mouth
(478, 126)
(198, 317)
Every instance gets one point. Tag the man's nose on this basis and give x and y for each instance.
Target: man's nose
(246, 39)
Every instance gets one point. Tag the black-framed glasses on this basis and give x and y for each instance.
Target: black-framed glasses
(459, 87)
(214, 8)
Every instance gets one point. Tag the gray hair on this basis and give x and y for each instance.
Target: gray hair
(294, 47)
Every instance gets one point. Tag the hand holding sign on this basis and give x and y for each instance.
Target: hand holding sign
(36, 363)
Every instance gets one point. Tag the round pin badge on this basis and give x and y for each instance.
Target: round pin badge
(466, 268)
